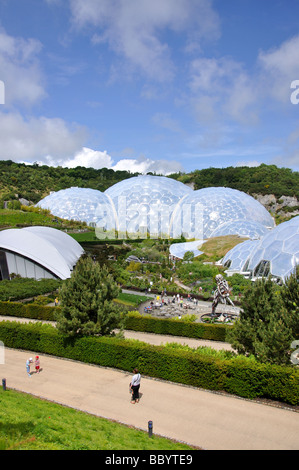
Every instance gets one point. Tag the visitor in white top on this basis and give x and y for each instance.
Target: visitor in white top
(28, 362)
(134, 386)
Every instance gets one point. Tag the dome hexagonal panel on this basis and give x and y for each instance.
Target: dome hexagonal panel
(243, 228)
(280, 248)
(236, 258)
(145, 204)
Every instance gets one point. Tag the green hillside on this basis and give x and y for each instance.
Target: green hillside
(264, 179)
(33, 182)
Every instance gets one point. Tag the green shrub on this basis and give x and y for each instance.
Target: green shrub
(147, 323)
(240, 377)
(22, 288)
(33, 311)
(133, 321)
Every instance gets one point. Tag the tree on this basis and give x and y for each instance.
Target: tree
(188, 256)
(290, 298)
(269, 321)
(87, 307)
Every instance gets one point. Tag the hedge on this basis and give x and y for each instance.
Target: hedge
(133, 321)
(149, 324)
(33, 311)
(236, 376)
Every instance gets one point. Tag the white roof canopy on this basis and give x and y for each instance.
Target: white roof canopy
(54, 250)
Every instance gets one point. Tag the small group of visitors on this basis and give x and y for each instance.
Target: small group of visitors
(36, 364)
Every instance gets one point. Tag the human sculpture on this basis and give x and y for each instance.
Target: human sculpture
(221, 293)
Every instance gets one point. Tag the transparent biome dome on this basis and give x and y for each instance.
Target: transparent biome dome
(206, 210)
(277, 252)
(237, 259)
(82, 204)
(144, 205)
(243, 228)
(157, 206)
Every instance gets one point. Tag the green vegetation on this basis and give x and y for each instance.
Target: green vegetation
(132, 321)
(132, 300)
(239, 375)
(86, 301)
(30, 215)
(264, 179)
(175, 327)
(215, 248)
(28, 423)
(269, 320)
(262, 337)
(23, 288)
(33, 182)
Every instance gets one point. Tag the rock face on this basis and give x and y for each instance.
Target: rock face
(286, 206)
(24, 202)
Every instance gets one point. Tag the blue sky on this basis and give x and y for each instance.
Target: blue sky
(160, 85)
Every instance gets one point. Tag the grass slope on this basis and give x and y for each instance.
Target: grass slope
(29, 423)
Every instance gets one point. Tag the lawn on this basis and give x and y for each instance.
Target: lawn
(29, 423)
(133, 300)
(215, 248)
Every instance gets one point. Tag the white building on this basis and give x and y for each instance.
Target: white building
(38, 252)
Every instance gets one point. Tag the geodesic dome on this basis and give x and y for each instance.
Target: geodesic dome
(243, 228)
(277, 252)
(145, 204)
(157, 206)
(237, 259)
(209, 211)
(81, 204)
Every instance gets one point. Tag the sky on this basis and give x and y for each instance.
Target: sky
(159, 86)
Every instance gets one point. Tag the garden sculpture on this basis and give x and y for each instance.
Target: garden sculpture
(221, 293)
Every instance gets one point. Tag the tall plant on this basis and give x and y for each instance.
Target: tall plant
(86, 299)
(269, 321)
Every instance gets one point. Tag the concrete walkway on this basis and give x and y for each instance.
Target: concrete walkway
(204, 419)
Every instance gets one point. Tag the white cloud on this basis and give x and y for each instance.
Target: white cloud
(89, 158)
(97, 159)
(279, 67)
(20, 70)
(136, 30)
(145, 165)
(38, 139)
(251, 163)
(221, 88)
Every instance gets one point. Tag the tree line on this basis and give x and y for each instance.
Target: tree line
(264, 179)
(33, 182)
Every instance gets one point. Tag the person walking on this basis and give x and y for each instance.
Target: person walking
(135, 385)
(28, 362)
(37, 364)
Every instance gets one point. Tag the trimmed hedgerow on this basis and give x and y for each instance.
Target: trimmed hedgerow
(238, 376)
(149, 324)
(133, 321)
(33, 311)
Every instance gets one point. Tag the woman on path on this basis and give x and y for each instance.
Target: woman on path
(134, 386)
